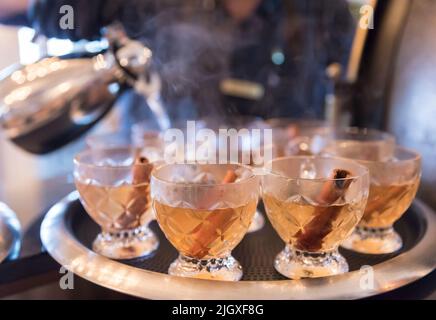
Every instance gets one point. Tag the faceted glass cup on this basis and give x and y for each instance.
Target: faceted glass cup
(205, 211)
(150, 142)
(360, 143)
(311, 137)
(298, 136)
(394, 183)
(314, 204)
(108, 140)
(114, 188)
(247, 148)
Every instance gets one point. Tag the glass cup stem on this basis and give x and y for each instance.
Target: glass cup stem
(126, 244)
(373, 240)
(296, 264)
(226, 269)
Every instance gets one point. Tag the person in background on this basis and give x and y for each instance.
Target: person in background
(252, 57)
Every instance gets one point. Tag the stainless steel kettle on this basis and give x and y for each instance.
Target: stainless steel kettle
(45, 105)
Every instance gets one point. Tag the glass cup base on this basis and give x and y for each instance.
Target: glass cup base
(224, 269)
(373, 240)
(257, 223)
(295, 264)
(126, 244)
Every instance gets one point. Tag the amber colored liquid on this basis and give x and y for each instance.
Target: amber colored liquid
(312, 228)
(386, 204)
(116, 208)
(204, 234)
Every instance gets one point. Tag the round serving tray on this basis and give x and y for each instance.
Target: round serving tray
(9, 233)
(67, 233)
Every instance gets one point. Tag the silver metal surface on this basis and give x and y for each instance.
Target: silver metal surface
(46, 104)
(399, 271)
(136, 61)
(34, 95)
(9, 233)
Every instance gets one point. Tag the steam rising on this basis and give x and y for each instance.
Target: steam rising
(190, 57)
(194, 48)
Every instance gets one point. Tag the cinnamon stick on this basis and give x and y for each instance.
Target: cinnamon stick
(230, 177)
(206, 233)
(140, 171)
(321, 225)
(140, 175)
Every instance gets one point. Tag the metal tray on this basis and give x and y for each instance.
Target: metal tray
(9, 233)
(67, 233)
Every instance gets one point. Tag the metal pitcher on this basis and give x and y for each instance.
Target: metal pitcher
(45, 105)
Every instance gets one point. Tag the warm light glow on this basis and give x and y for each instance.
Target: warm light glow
(18, 95)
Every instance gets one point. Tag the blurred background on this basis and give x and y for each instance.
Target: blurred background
(29, 183)
(296, 59)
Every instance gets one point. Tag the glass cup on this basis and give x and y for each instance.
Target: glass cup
(298, 136)
(361, 143)
(150, 142)
(311, 137)
(114, 189)
(147, 135)
(108, 140)
(151, 139)
(204, 211)
(249, 151)
(394, 183)
(314, 204)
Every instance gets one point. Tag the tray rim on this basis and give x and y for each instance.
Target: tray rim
(388, 275)
(9, 225)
